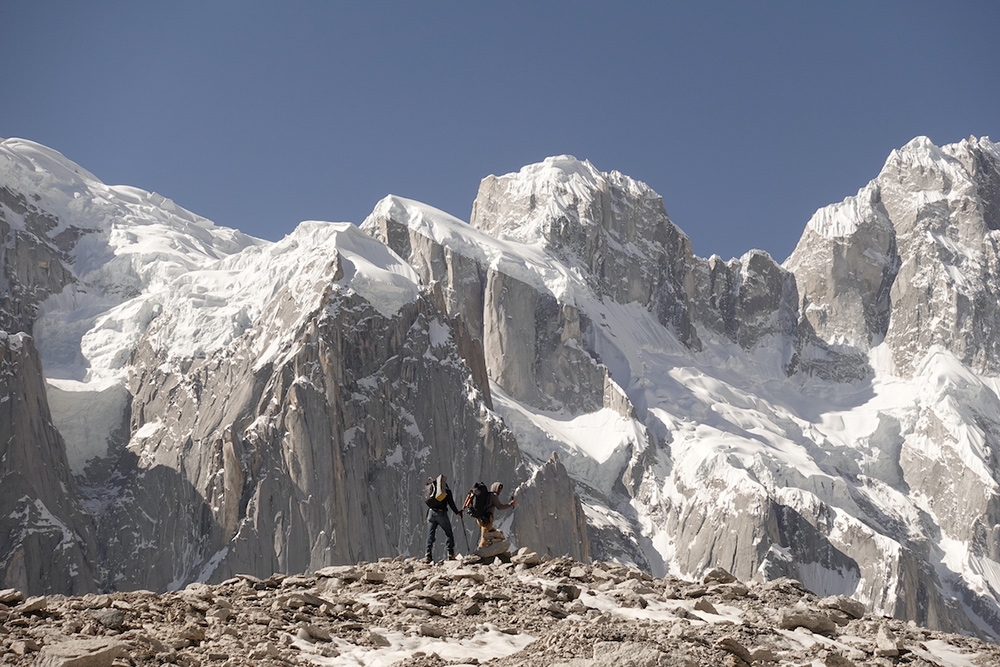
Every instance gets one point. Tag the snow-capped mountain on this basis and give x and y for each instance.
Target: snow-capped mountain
(776, 420)
(213, 404)
(221, 404)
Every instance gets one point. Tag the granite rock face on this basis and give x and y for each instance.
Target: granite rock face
(46, 539)
(533, 341)
(318, 460)
(545, 520)
(611, 226)
(32, 270)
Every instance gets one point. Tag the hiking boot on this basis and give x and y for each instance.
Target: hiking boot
(452, 557)
(428, 560)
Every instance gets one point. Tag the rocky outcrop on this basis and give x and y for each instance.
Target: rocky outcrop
(544, 521)
(746, 299)
(845, 265)
(46, 540)
(542, 611)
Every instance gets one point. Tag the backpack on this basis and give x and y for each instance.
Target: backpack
(435, 494)
(477, 501)
(430, 493)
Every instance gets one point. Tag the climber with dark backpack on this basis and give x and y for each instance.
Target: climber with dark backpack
(477, 500)
(480, 503)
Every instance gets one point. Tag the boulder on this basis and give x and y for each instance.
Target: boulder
(97, 652)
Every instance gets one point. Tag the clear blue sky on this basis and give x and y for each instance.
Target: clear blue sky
(745, 116)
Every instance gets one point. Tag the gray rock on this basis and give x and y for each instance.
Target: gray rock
(378, 639)
(526, 557)
(373, 577)
(886, 643)
(704, 605)
(853, 608)
(113, 619)
(812, 620)
(11, 597)
(730, 645)
(718, 576)
(96, 652)
(554, 608)
(430, 630)
(492, 550)
(317, 633)
(627, 654)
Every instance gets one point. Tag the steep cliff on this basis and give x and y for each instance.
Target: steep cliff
(46, 539)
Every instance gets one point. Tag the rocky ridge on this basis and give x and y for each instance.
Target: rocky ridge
(532, 610)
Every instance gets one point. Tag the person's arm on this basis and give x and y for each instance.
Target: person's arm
(495, 502)
(451, 501)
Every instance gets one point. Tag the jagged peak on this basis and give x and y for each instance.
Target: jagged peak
(416, 213)
(559, 169)
(544, 196)
(954, 159)
(565, 174)
(843, 219)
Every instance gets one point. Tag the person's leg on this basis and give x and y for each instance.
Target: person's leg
(431, 532)
(446, 524)
(485, 526)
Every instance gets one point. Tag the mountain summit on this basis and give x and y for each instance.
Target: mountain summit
(205, 404)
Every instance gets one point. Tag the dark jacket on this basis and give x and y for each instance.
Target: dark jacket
(443, 505)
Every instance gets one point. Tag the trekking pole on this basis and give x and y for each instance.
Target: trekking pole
(468, 550)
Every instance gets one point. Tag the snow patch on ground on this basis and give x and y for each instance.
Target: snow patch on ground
(488, 643)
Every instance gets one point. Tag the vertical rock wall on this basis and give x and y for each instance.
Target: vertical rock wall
(46, 540)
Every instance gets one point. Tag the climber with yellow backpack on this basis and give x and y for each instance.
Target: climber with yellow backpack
(438, 498)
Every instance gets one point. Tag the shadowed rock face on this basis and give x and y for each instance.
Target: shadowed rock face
(31, 265)
(46, 541)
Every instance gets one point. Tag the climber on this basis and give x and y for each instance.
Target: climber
(438, 499)
(485, 518)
